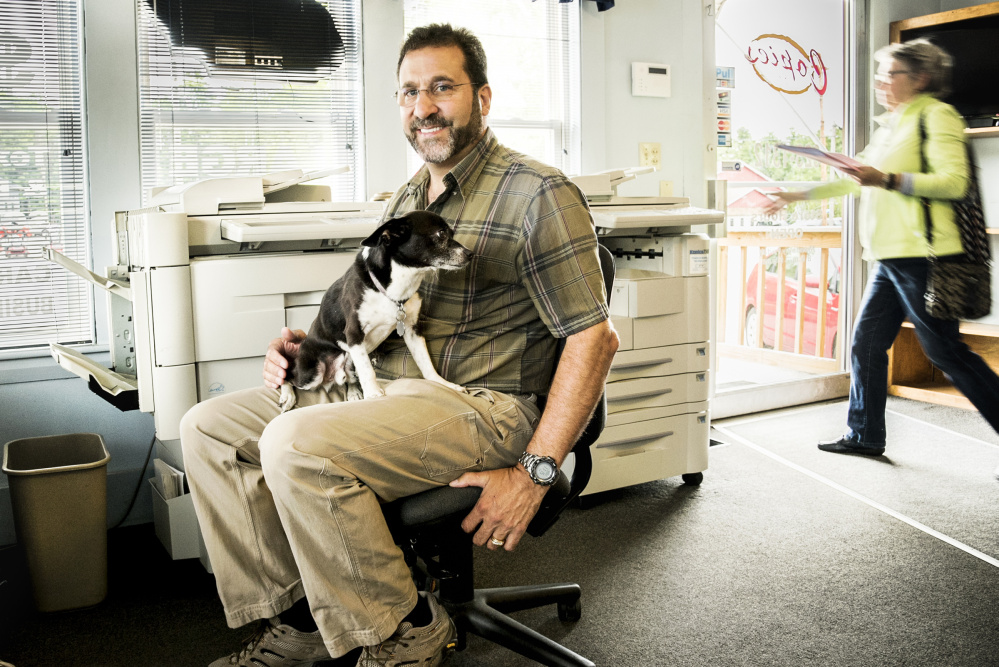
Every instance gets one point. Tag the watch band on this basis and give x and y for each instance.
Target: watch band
(530, 463)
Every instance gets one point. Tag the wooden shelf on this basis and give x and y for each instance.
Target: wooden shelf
(938, 393)
(982, 132)
(911, 375)
(970, 329)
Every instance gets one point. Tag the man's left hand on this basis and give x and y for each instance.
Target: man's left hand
(508, 502)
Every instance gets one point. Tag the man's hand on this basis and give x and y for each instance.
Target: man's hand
(508, 502)
(280, 353)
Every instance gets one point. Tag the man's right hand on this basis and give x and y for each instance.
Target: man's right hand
(280, 353)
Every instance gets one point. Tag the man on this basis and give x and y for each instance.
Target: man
(289, 504)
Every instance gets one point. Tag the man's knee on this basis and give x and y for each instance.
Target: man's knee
(283, 442)
(197, 424)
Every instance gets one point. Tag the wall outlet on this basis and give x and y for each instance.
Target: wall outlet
(665, 188)
(650, 155)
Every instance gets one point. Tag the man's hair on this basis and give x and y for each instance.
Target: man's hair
(922, 56)
(443, 35)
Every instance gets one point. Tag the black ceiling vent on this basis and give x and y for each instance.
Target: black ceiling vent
(286, 37)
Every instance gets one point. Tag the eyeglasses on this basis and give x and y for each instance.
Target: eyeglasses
(439, 92)
(887, 76)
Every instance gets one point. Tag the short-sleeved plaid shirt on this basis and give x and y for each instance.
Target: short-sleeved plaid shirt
(535, 274)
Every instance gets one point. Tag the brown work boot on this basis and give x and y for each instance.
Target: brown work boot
(428, 646)
(276, 645)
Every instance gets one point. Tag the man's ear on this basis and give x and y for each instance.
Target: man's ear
(485, 94)
(391, 231)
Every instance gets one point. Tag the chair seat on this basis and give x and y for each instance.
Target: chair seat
(435, 507)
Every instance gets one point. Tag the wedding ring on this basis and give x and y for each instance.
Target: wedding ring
(498, 543)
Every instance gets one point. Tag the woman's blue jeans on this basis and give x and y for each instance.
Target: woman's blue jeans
(895, 292)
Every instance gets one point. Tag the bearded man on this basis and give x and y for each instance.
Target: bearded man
(289, 504)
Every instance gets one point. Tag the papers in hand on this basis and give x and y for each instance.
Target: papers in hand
(838, 160)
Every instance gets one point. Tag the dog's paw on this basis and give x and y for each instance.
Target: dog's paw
(455, 387)
(354, 392)
(288, 398)
(376, 392)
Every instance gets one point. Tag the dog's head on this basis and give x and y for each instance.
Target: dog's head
(420, 239)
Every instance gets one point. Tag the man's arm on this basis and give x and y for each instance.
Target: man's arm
(510, 499)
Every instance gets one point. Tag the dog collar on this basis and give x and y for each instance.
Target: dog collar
(400, 315)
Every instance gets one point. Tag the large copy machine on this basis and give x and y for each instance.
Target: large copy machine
(657, 391)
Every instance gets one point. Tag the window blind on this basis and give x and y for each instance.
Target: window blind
(249, 87)
(42, 201)
(533, 66)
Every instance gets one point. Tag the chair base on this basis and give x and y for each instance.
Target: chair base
(484, 615)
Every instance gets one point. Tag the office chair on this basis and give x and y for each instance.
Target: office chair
(428, 528)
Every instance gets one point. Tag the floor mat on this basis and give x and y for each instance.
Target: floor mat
(935, 476)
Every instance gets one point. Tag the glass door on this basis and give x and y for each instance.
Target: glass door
(781, 326)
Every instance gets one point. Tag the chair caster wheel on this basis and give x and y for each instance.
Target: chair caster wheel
(693, 478)
(570, 611)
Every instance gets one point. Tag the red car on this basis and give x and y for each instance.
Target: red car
(790, 309)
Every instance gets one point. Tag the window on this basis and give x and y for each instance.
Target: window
(235, 88)
(41, 175)
(783, 77)
(533, 52)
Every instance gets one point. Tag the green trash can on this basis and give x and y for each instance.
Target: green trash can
(58, 491)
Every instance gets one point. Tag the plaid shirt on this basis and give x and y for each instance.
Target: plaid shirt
(535, 275)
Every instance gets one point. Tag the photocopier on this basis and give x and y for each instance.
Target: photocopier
(657, 392)
(209, 272)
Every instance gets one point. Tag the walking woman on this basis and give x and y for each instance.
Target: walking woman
(891, 227)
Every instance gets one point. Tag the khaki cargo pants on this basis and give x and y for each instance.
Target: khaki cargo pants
(289, 504)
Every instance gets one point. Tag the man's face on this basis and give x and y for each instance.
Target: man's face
(440, 131)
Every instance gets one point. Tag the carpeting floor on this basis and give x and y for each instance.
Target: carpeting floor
(785, 555)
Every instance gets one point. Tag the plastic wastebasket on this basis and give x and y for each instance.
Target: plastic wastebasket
(58, 491)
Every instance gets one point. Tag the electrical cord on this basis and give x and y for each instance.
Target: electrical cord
(138, 486)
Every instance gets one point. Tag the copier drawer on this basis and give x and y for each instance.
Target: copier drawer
(656, 391)
(645, 451)
(653, 361)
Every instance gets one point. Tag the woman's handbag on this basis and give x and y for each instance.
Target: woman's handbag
(959, 287)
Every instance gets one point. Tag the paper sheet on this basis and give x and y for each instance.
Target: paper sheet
(171, 480)
(838, 160)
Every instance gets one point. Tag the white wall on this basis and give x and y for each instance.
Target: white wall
(38, 398)
(679, 34)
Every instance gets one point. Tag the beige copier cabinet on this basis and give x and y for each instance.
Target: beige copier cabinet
(657, 391)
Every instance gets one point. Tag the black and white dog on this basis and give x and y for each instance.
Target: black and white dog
(375, 297)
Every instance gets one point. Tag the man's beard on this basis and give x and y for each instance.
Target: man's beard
(459, 137)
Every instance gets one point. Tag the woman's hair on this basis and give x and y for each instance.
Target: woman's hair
(921, 56)
(442, 34)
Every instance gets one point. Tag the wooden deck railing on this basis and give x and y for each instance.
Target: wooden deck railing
(782, 241)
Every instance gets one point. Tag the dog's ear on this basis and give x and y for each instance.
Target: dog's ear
(389, 232)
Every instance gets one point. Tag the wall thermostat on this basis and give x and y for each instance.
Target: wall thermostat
(650, 80)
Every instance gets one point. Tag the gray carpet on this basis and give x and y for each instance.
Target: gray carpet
(760, 565)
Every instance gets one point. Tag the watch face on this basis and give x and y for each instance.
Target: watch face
(545, 470)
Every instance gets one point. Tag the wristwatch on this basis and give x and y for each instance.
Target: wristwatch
(542, 469)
